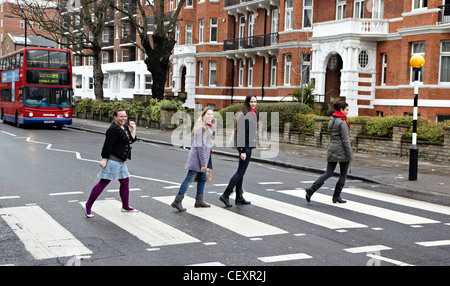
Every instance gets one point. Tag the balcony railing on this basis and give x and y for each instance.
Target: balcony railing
(444, 14)
(251, 42)
(362, 27)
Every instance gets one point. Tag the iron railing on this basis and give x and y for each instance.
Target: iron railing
(251, 42)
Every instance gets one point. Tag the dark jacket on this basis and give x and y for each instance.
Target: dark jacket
(340, 149)
(246, 134)
(117, 142)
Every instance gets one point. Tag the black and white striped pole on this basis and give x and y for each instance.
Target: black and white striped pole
(416, 62)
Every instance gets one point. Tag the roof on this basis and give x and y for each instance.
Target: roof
(32, 41)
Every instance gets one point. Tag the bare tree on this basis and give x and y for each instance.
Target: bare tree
(159, 45)
(75, 24)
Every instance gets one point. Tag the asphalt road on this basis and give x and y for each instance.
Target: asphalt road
(45, 173)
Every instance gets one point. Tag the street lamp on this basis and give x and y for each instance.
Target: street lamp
(416, 62)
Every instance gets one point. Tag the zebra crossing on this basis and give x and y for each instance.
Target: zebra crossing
(44, 237)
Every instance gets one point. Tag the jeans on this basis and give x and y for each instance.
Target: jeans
(238, 177)
(330, 170)
(190, 178)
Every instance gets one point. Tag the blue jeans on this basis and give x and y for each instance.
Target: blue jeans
(190, 178)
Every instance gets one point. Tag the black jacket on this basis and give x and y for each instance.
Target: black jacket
(246, 135)
(117, 142)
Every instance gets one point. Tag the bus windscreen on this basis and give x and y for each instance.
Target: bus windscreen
(47, 59)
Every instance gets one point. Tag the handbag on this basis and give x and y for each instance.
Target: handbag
(208, 176)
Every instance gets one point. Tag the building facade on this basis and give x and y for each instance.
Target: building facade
(358, 50)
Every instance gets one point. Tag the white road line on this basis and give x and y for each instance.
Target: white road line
(399, 200)
(117, 190)
(310, 216)
(434, 243)
(366, 249)
(65, 193)
(270, 183)
(227, 219)
(381, 258)
(366, 209)
(42, 236)
(144, 227)
(208, 264)
(10, 134)
(285, 257)
(9, 197)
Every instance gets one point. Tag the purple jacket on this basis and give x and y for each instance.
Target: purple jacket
(200, 153)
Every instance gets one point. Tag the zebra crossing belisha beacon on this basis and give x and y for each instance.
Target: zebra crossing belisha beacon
(339, 151)
(115, 152)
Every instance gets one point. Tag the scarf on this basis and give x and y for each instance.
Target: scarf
(341, 115)
(253, 110)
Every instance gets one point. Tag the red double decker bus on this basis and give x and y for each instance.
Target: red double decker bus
(36, 87)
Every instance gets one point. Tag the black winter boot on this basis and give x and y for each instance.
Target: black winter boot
(177, 203)
(240, 198)
(337, 195)
(225, 198)
(310, 191)
(199, 203)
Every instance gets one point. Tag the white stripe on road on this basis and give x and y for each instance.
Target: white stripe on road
(9, 197)
(10, 134)
(366, 249)
(310, 216)
(383, 213)
(285, 257)
(399, 200)
(381, 258)
(42, 236)
(434, 243)
(65, 193)
(232, 221)
(270, 183)
(144, 227)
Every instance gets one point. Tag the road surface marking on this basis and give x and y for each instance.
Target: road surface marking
(310, 216)
(42, 236)
(285, 257)
(232, 221)
(366, 249)
(388, 214)
(144, 227)
(434, 243)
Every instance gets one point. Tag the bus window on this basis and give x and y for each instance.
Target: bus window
(47, 59)
(58, 60)
(48, 97)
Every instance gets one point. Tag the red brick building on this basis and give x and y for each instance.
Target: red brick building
(355, 49)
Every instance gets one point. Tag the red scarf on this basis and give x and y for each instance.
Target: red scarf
(253, 110)
(341, 115)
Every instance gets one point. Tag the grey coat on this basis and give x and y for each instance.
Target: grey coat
(339, 149)
(200, 153)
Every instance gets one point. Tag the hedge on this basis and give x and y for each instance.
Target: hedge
(427, 130)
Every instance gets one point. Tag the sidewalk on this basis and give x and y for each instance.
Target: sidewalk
(433, 182)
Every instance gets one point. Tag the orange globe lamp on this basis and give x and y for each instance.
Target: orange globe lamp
(417, 61)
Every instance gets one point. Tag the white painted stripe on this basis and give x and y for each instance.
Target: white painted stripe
(381, 258)
(285, 257)
(310, 216)
(10, 134)
(65, 193)
(399, 200)
(117, 190)
(220, 185)
(227, 219)
(366, 249)
(434, 243)
(155, 180)
(9, 197)
(208, 264)
(42, 236)
(144, 227)
(388, 214)
(270, 183)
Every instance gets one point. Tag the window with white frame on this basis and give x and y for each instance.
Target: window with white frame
(287, 69)
(419, 4)
(106, 81)
(105, 35)
(250, 73)
(105, 58)
(91, 83)
(177, 34)
(213, 30)
(307, 13)
(273, 72)
(340, 9)
(289, 14)
(377, 9)
(417, 48)
(444, 76)
(383, 69)
(212, 72)
(148, 81)
(241, 73)
(359, 9)
(306, 68)
(201, 29)
(189, 3)
(200, 73)
(188, 39)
